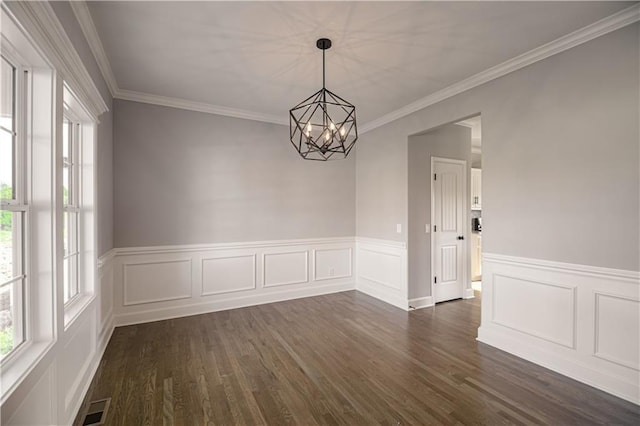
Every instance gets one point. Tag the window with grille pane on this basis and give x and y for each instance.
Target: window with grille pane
(13, 207)
(70, 195)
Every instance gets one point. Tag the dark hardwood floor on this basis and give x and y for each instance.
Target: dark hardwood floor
(338, 359)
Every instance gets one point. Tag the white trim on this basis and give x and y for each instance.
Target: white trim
(421, 302)
(379, 242)
(41, 24)
(106, 259)
(127, 302)
(632, 277)
(184, 248)
(599, 28)
(254, 284)
(81, 10)
(130, 95)
(334, 277)
(279, 253)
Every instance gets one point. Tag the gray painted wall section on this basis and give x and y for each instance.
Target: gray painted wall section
(183, 177)
(560, 159)
(104, 131)
(450, 141)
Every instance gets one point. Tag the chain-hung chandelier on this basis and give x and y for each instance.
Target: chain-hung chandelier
(323, 126)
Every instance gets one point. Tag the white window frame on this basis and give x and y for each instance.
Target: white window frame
(81, 203)
(72, 207)
(18, 204)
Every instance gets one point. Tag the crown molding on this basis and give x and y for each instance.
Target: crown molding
(41, 25)
(130, 95)
(81, 10)
(599, 28)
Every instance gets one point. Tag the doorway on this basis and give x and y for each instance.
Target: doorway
(436, 275)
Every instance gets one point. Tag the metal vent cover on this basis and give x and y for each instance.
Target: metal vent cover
(97, 412)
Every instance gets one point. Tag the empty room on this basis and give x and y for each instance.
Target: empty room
(319, 212)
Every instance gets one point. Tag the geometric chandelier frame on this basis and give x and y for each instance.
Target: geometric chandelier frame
(323, 126)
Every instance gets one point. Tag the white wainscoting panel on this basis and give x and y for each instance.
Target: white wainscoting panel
(285, 268)
(382, 270)
(156, 281)
(227, 274)
(581, 321)
(617, 330)
(555, 302)
(330, 264)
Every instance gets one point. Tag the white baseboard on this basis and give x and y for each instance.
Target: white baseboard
(468, 293)
(421, 302)
(235, 302)
(591, 331)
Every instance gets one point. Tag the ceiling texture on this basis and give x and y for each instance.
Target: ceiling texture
(259, 58)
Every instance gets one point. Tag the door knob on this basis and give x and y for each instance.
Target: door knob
(461, 237)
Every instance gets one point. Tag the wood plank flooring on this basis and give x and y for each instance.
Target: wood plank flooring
(344, 358)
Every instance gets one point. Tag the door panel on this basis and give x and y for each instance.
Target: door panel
(449, 194)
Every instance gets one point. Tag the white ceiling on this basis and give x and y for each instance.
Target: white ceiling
(261, 56)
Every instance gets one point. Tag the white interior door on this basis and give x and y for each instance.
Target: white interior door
(449, 191)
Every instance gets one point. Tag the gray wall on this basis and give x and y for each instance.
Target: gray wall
(104, 139)
(184, 177)
(451, 141)
(560, 151)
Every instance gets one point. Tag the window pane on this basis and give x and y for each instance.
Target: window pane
(66, 161)
(10, 239)
(8, 73)
(7, 315)
(67, 278)
(7, 138)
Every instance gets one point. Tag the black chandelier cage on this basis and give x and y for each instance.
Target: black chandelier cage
(323, 126)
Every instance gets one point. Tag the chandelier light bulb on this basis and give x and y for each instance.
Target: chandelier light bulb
(342, 131)
(327, 136)
(332, 127)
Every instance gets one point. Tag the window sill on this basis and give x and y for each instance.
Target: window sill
(19, 366)
(75, 307)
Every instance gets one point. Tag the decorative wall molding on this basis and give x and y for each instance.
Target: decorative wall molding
(581, 321)
(633, 277)
(287, 261)
(186, 248)
(171, 280)
(227, 276)
(42, 26)
(604, 26)
(130, 95)
(381, 270)
(81, 10)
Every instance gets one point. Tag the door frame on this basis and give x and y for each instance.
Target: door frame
(466, 259)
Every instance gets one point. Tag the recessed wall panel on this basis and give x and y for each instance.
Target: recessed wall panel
(540, 309)
(286, 268)
(332, 263)
(618, 330)
(148, 282)
(228, 274)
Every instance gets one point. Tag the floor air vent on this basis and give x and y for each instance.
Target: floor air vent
(97, 413)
